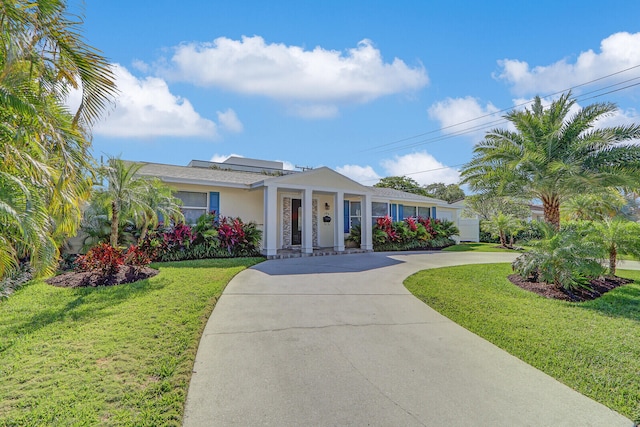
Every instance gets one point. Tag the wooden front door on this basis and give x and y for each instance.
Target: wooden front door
(296, 221)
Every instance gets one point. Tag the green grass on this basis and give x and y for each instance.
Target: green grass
(593, 347)
(477, 247)
(119, 355)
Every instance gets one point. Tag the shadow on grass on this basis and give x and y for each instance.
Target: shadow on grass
(621, 302)
(86, 306)
(209, 263)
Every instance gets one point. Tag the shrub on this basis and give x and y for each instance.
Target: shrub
(102, 258)
(412, 233)
(136, 257)
(561, 258)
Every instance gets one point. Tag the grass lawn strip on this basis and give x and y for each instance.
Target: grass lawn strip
(119, 355)
(592, 346)
(477, 247)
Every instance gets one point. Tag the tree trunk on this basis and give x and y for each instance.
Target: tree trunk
(613, 257)
(551, 206)
(143, 231)
(115, 218)
(503, 239)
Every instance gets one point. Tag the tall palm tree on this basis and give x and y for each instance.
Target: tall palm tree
(553, 154)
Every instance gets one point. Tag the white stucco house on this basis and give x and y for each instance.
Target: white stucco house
(314, 208)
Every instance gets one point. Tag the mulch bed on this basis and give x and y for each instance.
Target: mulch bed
(598, 286)
(125, 274)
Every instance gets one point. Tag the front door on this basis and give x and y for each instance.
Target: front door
(296, 221)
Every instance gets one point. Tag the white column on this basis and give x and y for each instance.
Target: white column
(307, 221)
(270, 233)
(338, 213)
(367, 225)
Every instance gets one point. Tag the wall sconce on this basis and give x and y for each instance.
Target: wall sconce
(326, 206)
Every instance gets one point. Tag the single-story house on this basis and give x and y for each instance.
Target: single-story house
(315, 208)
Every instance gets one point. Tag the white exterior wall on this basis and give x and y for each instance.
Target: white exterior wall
(469, 230)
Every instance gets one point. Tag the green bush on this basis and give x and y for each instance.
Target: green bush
(562, 258)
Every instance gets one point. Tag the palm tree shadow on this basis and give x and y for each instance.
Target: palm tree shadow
(622, 302)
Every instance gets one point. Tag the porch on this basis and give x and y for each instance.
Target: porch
(297, 252)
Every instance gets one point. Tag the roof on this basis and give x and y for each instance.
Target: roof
(391, 193)
(192, 175)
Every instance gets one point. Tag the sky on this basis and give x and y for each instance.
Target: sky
(370, 89)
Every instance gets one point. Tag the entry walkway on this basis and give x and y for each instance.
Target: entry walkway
(339, 341)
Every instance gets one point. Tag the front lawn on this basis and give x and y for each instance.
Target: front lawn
(477, 247)
(593, 347)
(119, 355)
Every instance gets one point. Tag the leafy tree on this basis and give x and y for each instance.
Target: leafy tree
(402, 183)
(486, 206)
(45, 172)
(553, 155)
(451, 193)
(503, 225)
(615, 236)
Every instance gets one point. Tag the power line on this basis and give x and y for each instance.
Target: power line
(436, 139)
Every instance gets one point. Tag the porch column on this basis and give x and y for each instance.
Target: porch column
(367, 225)
(307, 221)
(270, 233)
(338, 224)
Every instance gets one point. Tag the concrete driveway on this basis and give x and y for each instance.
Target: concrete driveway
(339, 341)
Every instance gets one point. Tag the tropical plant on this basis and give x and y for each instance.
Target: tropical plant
(614, 236)
(561, 258)
(45, 173)
(126, 192)
(157, 201)
(501, 226)
(553, 155)
(593, 207)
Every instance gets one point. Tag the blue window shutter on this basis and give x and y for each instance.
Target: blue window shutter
(394, 212)
(346, 216)
(433, 212)
(214, 202)
(400, 212)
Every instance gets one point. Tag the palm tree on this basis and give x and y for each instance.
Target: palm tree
(125, 192)
(593, 207)
(44, 146)
(553, 155)
(501, 225)
(615, 236)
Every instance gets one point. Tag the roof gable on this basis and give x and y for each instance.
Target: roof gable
(319, 177)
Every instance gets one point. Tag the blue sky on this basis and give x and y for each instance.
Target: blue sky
(370, 89)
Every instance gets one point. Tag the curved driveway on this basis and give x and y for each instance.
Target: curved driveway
(339, 341)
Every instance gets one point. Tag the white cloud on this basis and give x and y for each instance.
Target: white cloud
(465, 116)
(408, 164)
(147, 108)
(319, 77)
(229, 121)
(363, 174)
(617, 52)
(220, 158)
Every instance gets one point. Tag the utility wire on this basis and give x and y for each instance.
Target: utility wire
(429, 140)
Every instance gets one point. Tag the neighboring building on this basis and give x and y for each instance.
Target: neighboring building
(537, 213)
(311, 209)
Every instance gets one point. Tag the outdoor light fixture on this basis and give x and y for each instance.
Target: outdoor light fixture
(326, 206)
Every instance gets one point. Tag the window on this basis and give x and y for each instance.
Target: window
(194, 205)
(379, 210)
(409, 211)
(424, 212)
(355, 213)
